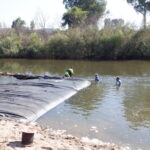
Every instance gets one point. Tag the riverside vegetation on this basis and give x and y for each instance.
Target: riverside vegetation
(89, 43)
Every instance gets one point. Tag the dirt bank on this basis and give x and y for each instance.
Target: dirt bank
(11, 134)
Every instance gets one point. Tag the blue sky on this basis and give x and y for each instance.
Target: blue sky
(52, 10)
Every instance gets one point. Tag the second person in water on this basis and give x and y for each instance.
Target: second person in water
(97, 78)
(118, 82)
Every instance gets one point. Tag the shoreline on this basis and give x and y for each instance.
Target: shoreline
(46, 139)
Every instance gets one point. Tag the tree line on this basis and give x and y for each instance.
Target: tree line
(119, 42)
(83, 39)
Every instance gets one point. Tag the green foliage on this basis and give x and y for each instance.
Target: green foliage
(18, 23)
(138, 46)
(76, 43)
(84, 44)
(114, 45)
(74, 17)
(94, 8)
(66, 45)
(31, 46)
(9, 47)
(141, 41)
(57, 46)
(32, 25)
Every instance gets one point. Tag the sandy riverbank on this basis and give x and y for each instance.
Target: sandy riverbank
(11, 133)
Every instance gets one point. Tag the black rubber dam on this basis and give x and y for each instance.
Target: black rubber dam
(27, 100)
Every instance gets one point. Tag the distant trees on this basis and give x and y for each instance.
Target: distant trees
(91, 10)
(141, 6)
(113, 23)
(18, 24)
(114, 41)
(90, 43)
(32, 25)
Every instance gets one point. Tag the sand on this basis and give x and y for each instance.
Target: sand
(46, 139)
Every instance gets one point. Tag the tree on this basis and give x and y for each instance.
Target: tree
(74, 17)
(95, 8)
(32, 25)
(70, 3)
(141, 6)
(113, 23)
(18, 23)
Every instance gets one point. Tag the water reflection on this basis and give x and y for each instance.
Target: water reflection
(137, 104)
(81, 68)
(87, 100)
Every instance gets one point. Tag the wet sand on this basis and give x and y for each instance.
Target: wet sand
(46, 139)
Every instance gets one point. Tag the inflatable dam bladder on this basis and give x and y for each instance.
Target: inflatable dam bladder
(27, 100)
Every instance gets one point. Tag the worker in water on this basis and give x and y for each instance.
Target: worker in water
(66, 74)
(118, 82)
(69, 72)
(97, 79)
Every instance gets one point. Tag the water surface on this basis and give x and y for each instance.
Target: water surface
(119, 115)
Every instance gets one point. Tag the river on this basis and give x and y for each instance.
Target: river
(118, 115)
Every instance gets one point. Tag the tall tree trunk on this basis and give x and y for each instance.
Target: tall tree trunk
(144, 18)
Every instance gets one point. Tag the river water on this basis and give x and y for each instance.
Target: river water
(118, 115)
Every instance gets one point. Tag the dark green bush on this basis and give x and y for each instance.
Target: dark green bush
(89, 43)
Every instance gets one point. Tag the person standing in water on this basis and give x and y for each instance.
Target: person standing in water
(97, 79)
(118, 82)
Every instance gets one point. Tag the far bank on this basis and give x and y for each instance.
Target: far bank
(118, 43)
